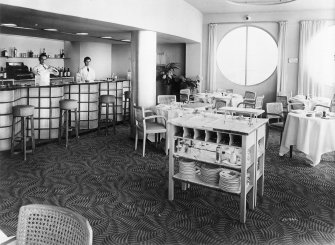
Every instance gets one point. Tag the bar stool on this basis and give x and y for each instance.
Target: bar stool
(106, 99)
(26, 113)
(126, 115)
(67, 105)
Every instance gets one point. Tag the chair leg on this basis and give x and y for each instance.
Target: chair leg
(291, 150)
(60, 125)
(24, 136)
(114, 118)
(107, 118)
(144, 141)
(99, 116)
(136, 139)
(66, 121)
(166, 144)
(76, 123)
(13, 136)
(267, 137)
(32, 128)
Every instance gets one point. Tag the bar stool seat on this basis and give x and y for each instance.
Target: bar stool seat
(67, 105)
(25, 113)
(106, 99)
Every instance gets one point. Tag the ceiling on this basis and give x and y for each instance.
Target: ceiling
(67, 26)
(224, 6)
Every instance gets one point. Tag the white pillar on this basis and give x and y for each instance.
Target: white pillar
(143, 52)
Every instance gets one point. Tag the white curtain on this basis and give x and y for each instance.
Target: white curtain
(306, 84)
(282, 63)
(211, 66)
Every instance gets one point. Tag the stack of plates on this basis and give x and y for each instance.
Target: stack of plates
(230, 181)
(209, 174)
(187, 169)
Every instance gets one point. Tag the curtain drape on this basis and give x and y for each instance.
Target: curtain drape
(211, 64)
(282, 64)
(306, 84)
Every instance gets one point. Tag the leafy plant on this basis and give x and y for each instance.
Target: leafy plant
(187, 82)
(166, 74)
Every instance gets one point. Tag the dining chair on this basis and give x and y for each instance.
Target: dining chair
(46, 224)
(284, 100)
(249, 96)
(166, 99)
(185, 95)
(276, 118)
(218, 103)
(148, 125)
(321, 108)
(295, 106)
(246, 104)
(229, 90)
(259, 102)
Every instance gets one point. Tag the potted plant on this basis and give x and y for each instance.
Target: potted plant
(166, 76)
(188, 82)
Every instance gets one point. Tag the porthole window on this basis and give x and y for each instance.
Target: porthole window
(247, 55)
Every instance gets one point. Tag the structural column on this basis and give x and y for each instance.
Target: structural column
(143, 68)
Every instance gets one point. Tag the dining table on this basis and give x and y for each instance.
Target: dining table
(312, 135)
(310, 103)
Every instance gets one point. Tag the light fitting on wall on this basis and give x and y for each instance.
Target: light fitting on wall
(259, 2)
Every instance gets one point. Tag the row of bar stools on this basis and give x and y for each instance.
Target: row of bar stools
(25, 113)
(107, 99)
(67, 105)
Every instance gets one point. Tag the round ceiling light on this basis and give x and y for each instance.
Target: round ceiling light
(9, 25)
(50, 29)
(82, 33)
(260, 2)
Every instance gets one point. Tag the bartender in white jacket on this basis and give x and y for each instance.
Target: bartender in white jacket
(42, 71)
(87, 73)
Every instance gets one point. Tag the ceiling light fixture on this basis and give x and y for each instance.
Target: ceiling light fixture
(9, 25)
(107, 37)
(50, 29)
(125, 40)
(82, 33)
(260, 2)
(24, 28)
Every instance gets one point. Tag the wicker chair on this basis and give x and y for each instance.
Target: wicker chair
(259, 102)
(275, 114)
(45, 224)
(284, 100)
(166, 99)
(219, 103)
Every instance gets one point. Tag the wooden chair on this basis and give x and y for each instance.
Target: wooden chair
(218, 103)
(148, 125)
(166, 99)
(45, 224)
(259, 102)
(185, 95)
(246, 104)
(276, 116)
(249, 96)
(284, 100)
(295, 106)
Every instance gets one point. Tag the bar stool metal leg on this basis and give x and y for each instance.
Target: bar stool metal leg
(107, 119)
(32, 128)
(99, 116)
(114, 118)
(66, 121)
(24, 136)
(76, 123)
(60, 126)
(13, 137)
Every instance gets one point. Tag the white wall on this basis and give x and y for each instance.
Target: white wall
(121, 59)
(23, 44)
(292, 45)
(101, 60)
(183, 19)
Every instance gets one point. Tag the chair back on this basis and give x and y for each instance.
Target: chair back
(283, 99)
(275, 108)
(259, 102)
(185, 95)
(230, 90)
(248, 95)
(45, 224)
(139, 116)
(220, 103)
(246, 104)
(166, 99)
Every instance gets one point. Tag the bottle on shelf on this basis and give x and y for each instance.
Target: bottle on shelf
(68, 73)
(14, 52)
(62, 54)
(60, 72)
(43, 51)
(4, 52)
(64, 72)
(4, 73)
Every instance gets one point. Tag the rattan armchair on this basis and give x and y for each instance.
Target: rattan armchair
(185, 95)
(44, 224)
(275, 114)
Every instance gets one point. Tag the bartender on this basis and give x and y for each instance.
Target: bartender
(87, 73)
(42, 71)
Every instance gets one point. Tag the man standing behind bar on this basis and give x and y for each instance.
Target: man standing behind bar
(42, 71)
(87, 73)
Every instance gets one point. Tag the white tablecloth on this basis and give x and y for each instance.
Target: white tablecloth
(311, 135)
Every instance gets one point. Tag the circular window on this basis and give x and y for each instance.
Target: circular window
(247, 55)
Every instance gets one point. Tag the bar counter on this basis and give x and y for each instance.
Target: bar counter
(46, 101)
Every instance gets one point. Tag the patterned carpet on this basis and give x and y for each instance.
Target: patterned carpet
(124, 196)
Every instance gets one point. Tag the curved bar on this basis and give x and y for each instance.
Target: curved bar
(46, 102)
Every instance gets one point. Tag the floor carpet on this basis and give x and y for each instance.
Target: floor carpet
(124, 196)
